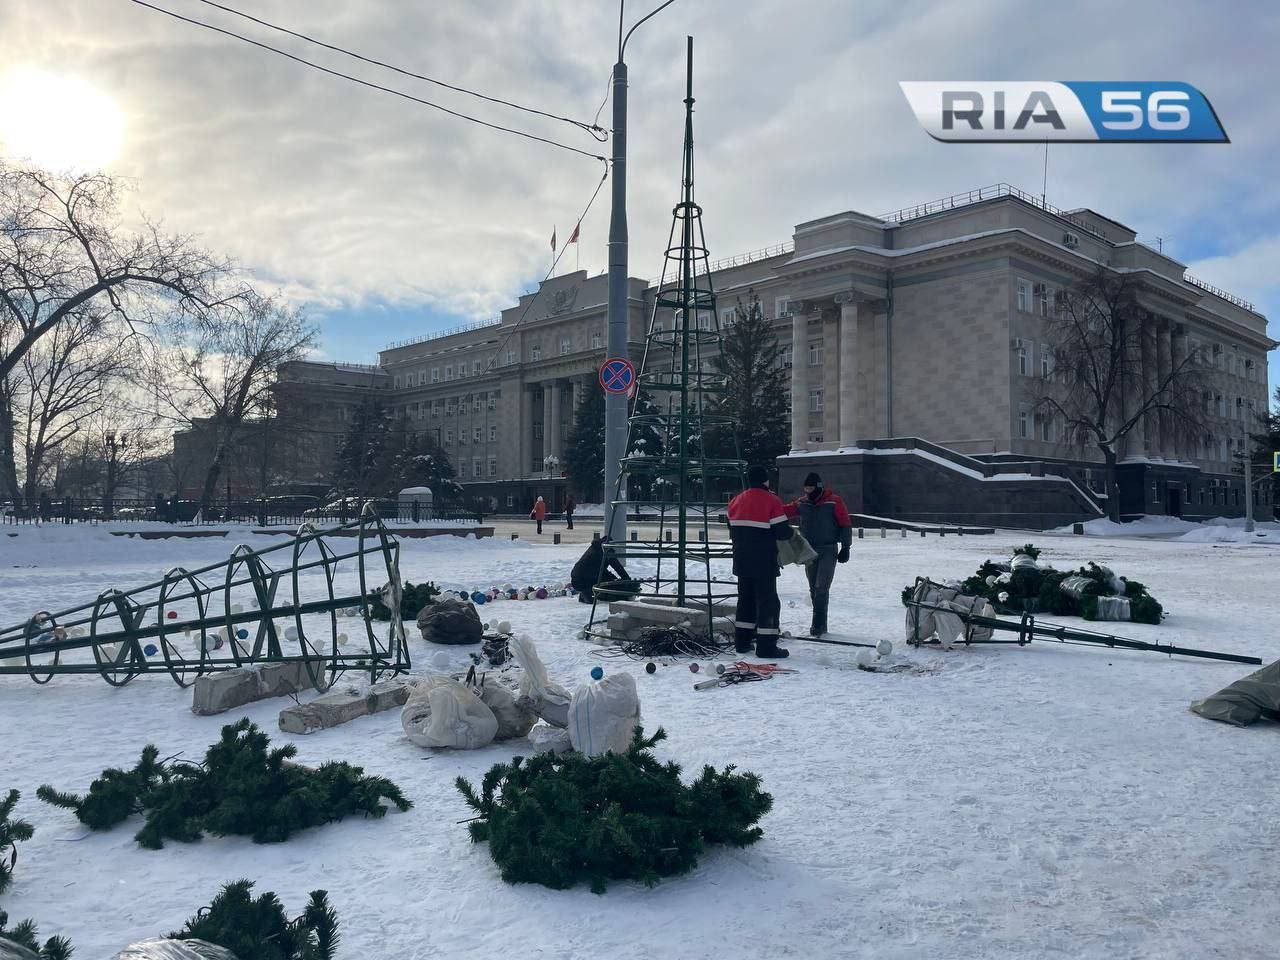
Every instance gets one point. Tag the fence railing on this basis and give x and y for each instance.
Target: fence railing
(263, 511)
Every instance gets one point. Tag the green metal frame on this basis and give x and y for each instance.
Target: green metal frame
(44, 645)
(667, 483)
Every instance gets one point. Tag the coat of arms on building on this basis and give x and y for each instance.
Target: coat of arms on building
(562, 301)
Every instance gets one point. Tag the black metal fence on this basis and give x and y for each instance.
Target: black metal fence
(263, 511)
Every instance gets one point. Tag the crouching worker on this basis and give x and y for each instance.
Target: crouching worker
(826, 524)
(757, 522)
(591, 570)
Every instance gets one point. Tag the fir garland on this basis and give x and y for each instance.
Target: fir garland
(26, 935)
(412, 600)
(241, 787)
(257, 928)
(13, 832)
(562, 819)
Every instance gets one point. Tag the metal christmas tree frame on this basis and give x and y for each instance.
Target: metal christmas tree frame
(666, 473)
(109, 636)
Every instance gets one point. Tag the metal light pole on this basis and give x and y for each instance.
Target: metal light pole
(615, 404)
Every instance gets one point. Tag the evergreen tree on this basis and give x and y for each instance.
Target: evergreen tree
(12, 832)
(584, 451)
(421, 462)
(364, 457)
(257, 928)
(756, 397)
(1266, 442)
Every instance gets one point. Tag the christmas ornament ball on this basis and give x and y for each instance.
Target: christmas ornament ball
(237, 608)
(597, 673)
(541, 593)
(719, 668)
(441, 660)
(884, 647)
(866, 658)
(172, 614)
(342, 639)
(291, 633)
(478, 597)
(694, 667)
(650, 667)
(242, 633)
(149, 649)
(504, 626)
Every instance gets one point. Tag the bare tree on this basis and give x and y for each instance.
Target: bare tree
(219, 379)
(1106, 381)
(62, 382)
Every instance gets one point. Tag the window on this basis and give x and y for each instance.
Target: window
(1046, 361)
(596, 340)
(1219, 405)
(511, 356)
(475, 368)
(785, 357)
(395, 381)
(815, 401)
(566, 345)
(1217, 356)
(493, 433)
(782, 307)
(435, 374)
(815, 352)
(448, 438)
(476, 468)
(462, 438)
(1024, 362)
(477, 404)
(493, 467)
(535, 352)
(511, 500)
(422, 377)
(448, 372)
(1041, 295)
(422, 409)
(727, 317)
(788, 402)
(1024, 422)
(493, 401)
(1239, 414)
(704, 321)
(477, 435)
(1046, 428)
(815, 436)
(1024, 295)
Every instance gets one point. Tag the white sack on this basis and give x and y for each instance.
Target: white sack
(603, 715)
(441, 712)
(548, 700)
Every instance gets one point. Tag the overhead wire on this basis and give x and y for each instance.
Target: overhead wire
(592, 128)
(367, 83)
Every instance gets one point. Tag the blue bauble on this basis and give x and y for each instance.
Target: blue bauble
(597, 673)
(478, 597)
(149, 649)
(242, 633)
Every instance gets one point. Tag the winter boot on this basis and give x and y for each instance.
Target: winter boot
(817, 629)
(767, 648)
(743, 643)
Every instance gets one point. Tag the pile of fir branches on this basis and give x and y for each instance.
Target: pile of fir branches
(412, 599)
(257, 928)
(1020, 587)
(561, 819)
(13, 832)
(241, 787)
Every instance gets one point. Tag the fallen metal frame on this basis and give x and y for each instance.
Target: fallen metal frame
(116, 630)
(1028, 628)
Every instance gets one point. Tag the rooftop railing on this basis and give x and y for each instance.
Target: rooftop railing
(462, 328)
(1217, 292)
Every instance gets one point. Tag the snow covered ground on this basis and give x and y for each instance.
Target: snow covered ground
(1217, 530)
(1050, 801)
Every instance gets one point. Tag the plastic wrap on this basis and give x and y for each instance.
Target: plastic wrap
(161, 949)
(12, 951)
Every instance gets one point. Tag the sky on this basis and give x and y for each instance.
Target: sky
(390, 220)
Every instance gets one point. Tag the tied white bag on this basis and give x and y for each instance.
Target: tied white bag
(514, 719)
(549, 700)
(442, 712)
(603, 715)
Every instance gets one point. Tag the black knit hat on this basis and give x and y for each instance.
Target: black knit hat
(757, 476)
(812, 480)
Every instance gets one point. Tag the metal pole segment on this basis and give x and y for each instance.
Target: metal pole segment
(615, 404)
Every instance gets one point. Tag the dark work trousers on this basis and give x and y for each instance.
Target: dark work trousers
(820, 573)
(568, 520)
(757, 614)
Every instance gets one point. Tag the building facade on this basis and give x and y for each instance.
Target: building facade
(927, 324)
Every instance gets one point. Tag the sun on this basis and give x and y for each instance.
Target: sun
(57, 121)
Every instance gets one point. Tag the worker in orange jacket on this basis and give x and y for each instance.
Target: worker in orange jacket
(757, 522)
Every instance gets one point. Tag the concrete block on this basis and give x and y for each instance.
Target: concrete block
(338, 707)
(220, 692)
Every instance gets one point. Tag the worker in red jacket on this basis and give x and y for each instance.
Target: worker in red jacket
(757, 522)
(826, 524)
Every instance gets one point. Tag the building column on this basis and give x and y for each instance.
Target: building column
(831, 374)
(1147, 377)
(1164, 370)
(848, 434)
(577, 384)
(551, 418)
(800, 378)
(1184, 448)
(524, 426)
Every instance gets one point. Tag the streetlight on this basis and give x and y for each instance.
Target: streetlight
(114, 448)
(550, 463)
(615, 404)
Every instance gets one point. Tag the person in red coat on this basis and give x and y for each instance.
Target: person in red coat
(827, 526)
(539, 512)
(757, 522)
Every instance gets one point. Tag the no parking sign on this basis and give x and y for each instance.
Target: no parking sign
(617, 375)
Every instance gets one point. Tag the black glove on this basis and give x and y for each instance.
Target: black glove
(843, 555)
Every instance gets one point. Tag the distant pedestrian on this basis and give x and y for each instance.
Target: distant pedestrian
(825, 523)
(569, 505)
(757, 522)
(46, 507)
(160, 507)
(539, 512)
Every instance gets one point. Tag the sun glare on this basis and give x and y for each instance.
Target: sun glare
(59, 122)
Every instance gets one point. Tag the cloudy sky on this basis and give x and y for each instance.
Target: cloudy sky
(391, 219)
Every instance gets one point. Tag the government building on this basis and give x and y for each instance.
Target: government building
(916, 347)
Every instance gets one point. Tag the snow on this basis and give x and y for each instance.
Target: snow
(995, 802)
(1216, 530)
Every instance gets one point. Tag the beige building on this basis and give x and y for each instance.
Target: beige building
(925, 323)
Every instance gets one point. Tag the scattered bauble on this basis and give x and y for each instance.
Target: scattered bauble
(597, 673)
(441, 660)
(651, 667)
(866, 658)
(172, 614)
(694, 668)
(884, 647)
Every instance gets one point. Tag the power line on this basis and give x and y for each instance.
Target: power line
(596, 131)
(366, 83)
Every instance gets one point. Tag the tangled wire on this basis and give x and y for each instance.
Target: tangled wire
(657, 642)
